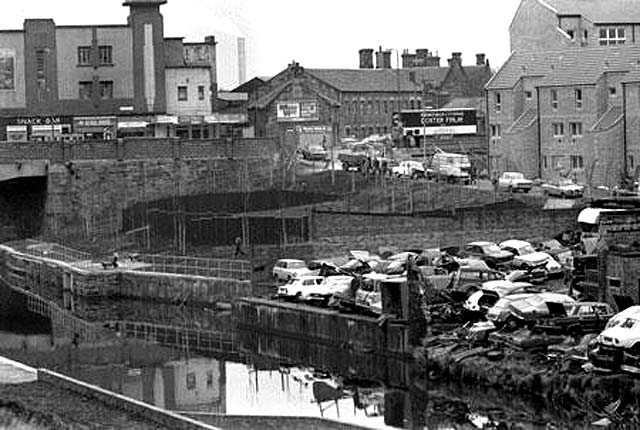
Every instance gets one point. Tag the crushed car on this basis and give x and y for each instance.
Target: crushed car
(577, 319)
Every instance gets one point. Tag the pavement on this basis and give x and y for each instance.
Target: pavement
(12, 372)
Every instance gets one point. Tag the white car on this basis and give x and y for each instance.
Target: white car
(409, 169)
(330, 285)
(298, 288)
(515, 181)
(525, 256)
(562, 188)
(287, 268)
(492, 291)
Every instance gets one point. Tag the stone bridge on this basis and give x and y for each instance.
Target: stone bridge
(75, 192)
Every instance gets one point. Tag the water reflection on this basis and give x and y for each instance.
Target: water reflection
(266, 375)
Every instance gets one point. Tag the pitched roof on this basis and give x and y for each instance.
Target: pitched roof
(599, 11)
(380, 80)
(573, 66)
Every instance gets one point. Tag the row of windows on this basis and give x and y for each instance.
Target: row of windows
(365, 131)
(612, 36)
(86, 88)
(183, 93)
(575, 129)
(553, 98)
(555, 161)
(105, 55)
(378, 107)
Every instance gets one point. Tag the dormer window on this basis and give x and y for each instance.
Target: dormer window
(571, 34)
(613, 91)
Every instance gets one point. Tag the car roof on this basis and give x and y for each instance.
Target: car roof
(514, 243)
(481, 242)
(290, 260)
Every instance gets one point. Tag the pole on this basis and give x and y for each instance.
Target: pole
(333, 139)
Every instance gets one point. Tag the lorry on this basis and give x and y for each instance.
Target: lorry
(450, 167)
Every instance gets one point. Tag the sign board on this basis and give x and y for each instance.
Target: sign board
(438, 121)
(7, 69)
(226, 118)
(303, 110)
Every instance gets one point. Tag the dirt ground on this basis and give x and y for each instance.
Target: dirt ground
(53, 408)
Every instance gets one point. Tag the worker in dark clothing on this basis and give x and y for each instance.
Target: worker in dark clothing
(238, 247)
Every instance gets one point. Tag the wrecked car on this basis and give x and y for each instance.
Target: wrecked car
(480, 301)
(619, 344)
(526, 312)
(577, 319)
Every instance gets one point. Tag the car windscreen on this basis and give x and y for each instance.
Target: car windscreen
(297, 265)
(491, 247)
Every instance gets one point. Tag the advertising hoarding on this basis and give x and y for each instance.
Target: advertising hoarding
(303, 110)
(438, 121)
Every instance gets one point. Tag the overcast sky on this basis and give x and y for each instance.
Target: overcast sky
(317, 34)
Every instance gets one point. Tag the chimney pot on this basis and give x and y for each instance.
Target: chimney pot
(366, 58)
(480, 59)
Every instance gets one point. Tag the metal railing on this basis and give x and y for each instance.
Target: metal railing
(52, 251)
(208, 267)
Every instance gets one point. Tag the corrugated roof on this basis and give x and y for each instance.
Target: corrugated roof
(576, 66)
(599, 11)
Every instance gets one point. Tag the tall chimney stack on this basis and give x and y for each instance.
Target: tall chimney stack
(366, 58)
(480, 59)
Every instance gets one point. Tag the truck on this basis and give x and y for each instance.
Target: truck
(450, 167)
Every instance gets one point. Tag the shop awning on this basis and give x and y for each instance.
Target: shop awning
(132, 124)
(166, 119)
(16, 129)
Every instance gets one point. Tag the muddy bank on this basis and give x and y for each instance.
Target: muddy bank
(557, 381)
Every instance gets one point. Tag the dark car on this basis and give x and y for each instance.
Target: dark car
(489, 252)
(577, 319)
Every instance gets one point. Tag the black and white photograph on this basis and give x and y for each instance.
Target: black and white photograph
(323, 215)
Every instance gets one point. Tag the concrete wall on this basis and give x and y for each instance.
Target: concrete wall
(144, 410)
(242, 422)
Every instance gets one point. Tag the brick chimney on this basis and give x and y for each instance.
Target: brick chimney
(456, 57)
(366, 58)
(480, 60)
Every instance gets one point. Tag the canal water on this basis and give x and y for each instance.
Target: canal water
(251, 374)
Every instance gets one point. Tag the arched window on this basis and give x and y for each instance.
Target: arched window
(411, 104)
(354, 107)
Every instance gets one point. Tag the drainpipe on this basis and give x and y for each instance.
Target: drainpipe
(487, 132)
(624, 129)
(539, 133)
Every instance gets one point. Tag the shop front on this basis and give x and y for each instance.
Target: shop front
(95, 127)
(165, 125)
(36, 128)
(230, 125)
(135, 126)
(193, 127)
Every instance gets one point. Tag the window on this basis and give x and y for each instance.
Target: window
(528, 95)
(419, 103)
(411, 104)
(354, 107)
(191, 381)
(362, 107)
(84, 56)
(544, 162)
(612, 36)
(571, 34)
(496, 131)
(41, 73)
(183, 94)
(386, 107)
(378, 107)
(106, 89)
(209, 378)
(577, 94)
(85, 90)
(347, 131)
(577, 162)
(630, 162)
(370, 105)
(554, 99)
(586, 36)
(200, 92)
(613, 91)
(498, 101)
(576, 129)
(105, 55)
(556, 161)
(385, 129)
(558, 129)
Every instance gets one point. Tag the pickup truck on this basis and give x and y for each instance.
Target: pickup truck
(515, 182)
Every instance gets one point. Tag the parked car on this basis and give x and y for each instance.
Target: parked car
(480, 301)
(314, 153)
(578, 319)
(527, 311)
(618, 346)
(287, 268)
(562, 188)
(515, 182)
(525, 256)
(297, 288)
(409, 169)
(489, 252)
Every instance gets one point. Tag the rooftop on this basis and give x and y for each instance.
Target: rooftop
(599, 11)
